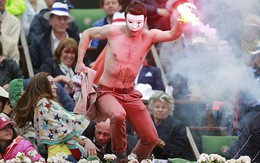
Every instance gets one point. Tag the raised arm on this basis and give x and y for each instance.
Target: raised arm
(87, 35)
(164, 36)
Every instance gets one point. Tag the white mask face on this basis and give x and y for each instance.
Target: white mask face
(135, 22)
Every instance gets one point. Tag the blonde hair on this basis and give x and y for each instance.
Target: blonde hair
(163, 97)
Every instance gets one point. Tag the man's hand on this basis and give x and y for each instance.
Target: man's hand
(80, 67)
(90, 148)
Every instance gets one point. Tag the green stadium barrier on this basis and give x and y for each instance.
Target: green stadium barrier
(214, 144)
(84, 18)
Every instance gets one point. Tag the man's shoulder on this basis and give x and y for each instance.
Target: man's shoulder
(10, 18)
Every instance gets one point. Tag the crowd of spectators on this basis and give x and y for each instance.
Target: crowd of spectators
(43, 119)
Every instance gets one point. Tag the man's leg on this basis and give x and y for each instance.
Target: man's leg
(141, 122)
(109, 104)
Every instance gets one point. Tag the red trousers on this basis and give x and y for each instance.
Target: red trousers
(121, 107)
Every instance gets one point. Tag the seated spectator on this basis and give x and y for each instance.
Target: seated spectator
(180, 87)
(40, 25)
(109, 7)
(64, 131)
(249, 36)
(16, 88)
(62, 65)
(100, 134)
(150, 75)
(250, 107)
(33, 7)
(159, 16)
(10, 31)
(15, 7)
(9, 70)
(45, 44)
(11, 143)
(173, 141)
(248, 143)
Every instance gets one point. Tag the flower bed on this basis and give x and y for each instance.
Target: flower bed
(61, 158)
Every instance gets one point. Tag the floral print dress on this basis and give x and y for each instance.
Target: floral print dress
(55, 125)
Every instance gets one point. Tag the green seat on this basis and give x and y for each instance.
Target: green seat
(214, 144)
(84, 18)
(179, 160)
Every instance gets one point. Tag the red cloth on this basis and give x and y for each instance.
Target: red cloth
(99, 66)
(216, 105)
(76, 153)
(88, 94)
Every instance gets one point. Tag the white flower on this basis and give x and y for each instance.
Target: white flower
(134, 160)
(231, 161)
(83, 161)
(59, 158)
(109, 157)
(216, 157)
(32, 153)
(41, 160)
(244, 159)
(132, 156)
(146, 161)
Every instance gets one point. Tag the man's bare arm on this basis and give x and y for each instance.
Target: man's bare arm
(87, 35)
(164, 36)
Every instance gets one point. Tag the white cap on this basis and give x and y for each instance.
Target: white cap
(3, 92)
(118, 18)
(59, 9)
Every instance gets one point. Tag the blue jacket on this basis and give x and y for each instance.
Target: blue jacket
(98, 23)
(63, 96)
(40, 49)
(9, 70)
(151, 75)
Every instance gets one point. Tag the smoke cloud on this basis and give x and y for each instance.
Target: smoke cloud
(212, 60)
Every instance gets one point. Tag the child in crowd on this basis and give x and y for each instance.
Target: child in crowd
(11, 143)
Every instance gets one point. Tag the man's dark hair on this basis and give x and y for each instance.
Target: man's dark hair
(136, 8)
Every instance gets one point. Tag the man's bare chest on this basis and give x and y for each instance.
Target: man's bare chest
(129, 51)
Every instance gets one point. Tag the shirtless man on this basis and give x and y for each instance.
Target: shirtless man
(127, 48)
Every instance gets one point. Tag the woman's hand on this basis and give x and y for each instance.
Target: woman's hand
(90, 148)
(160, 143)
